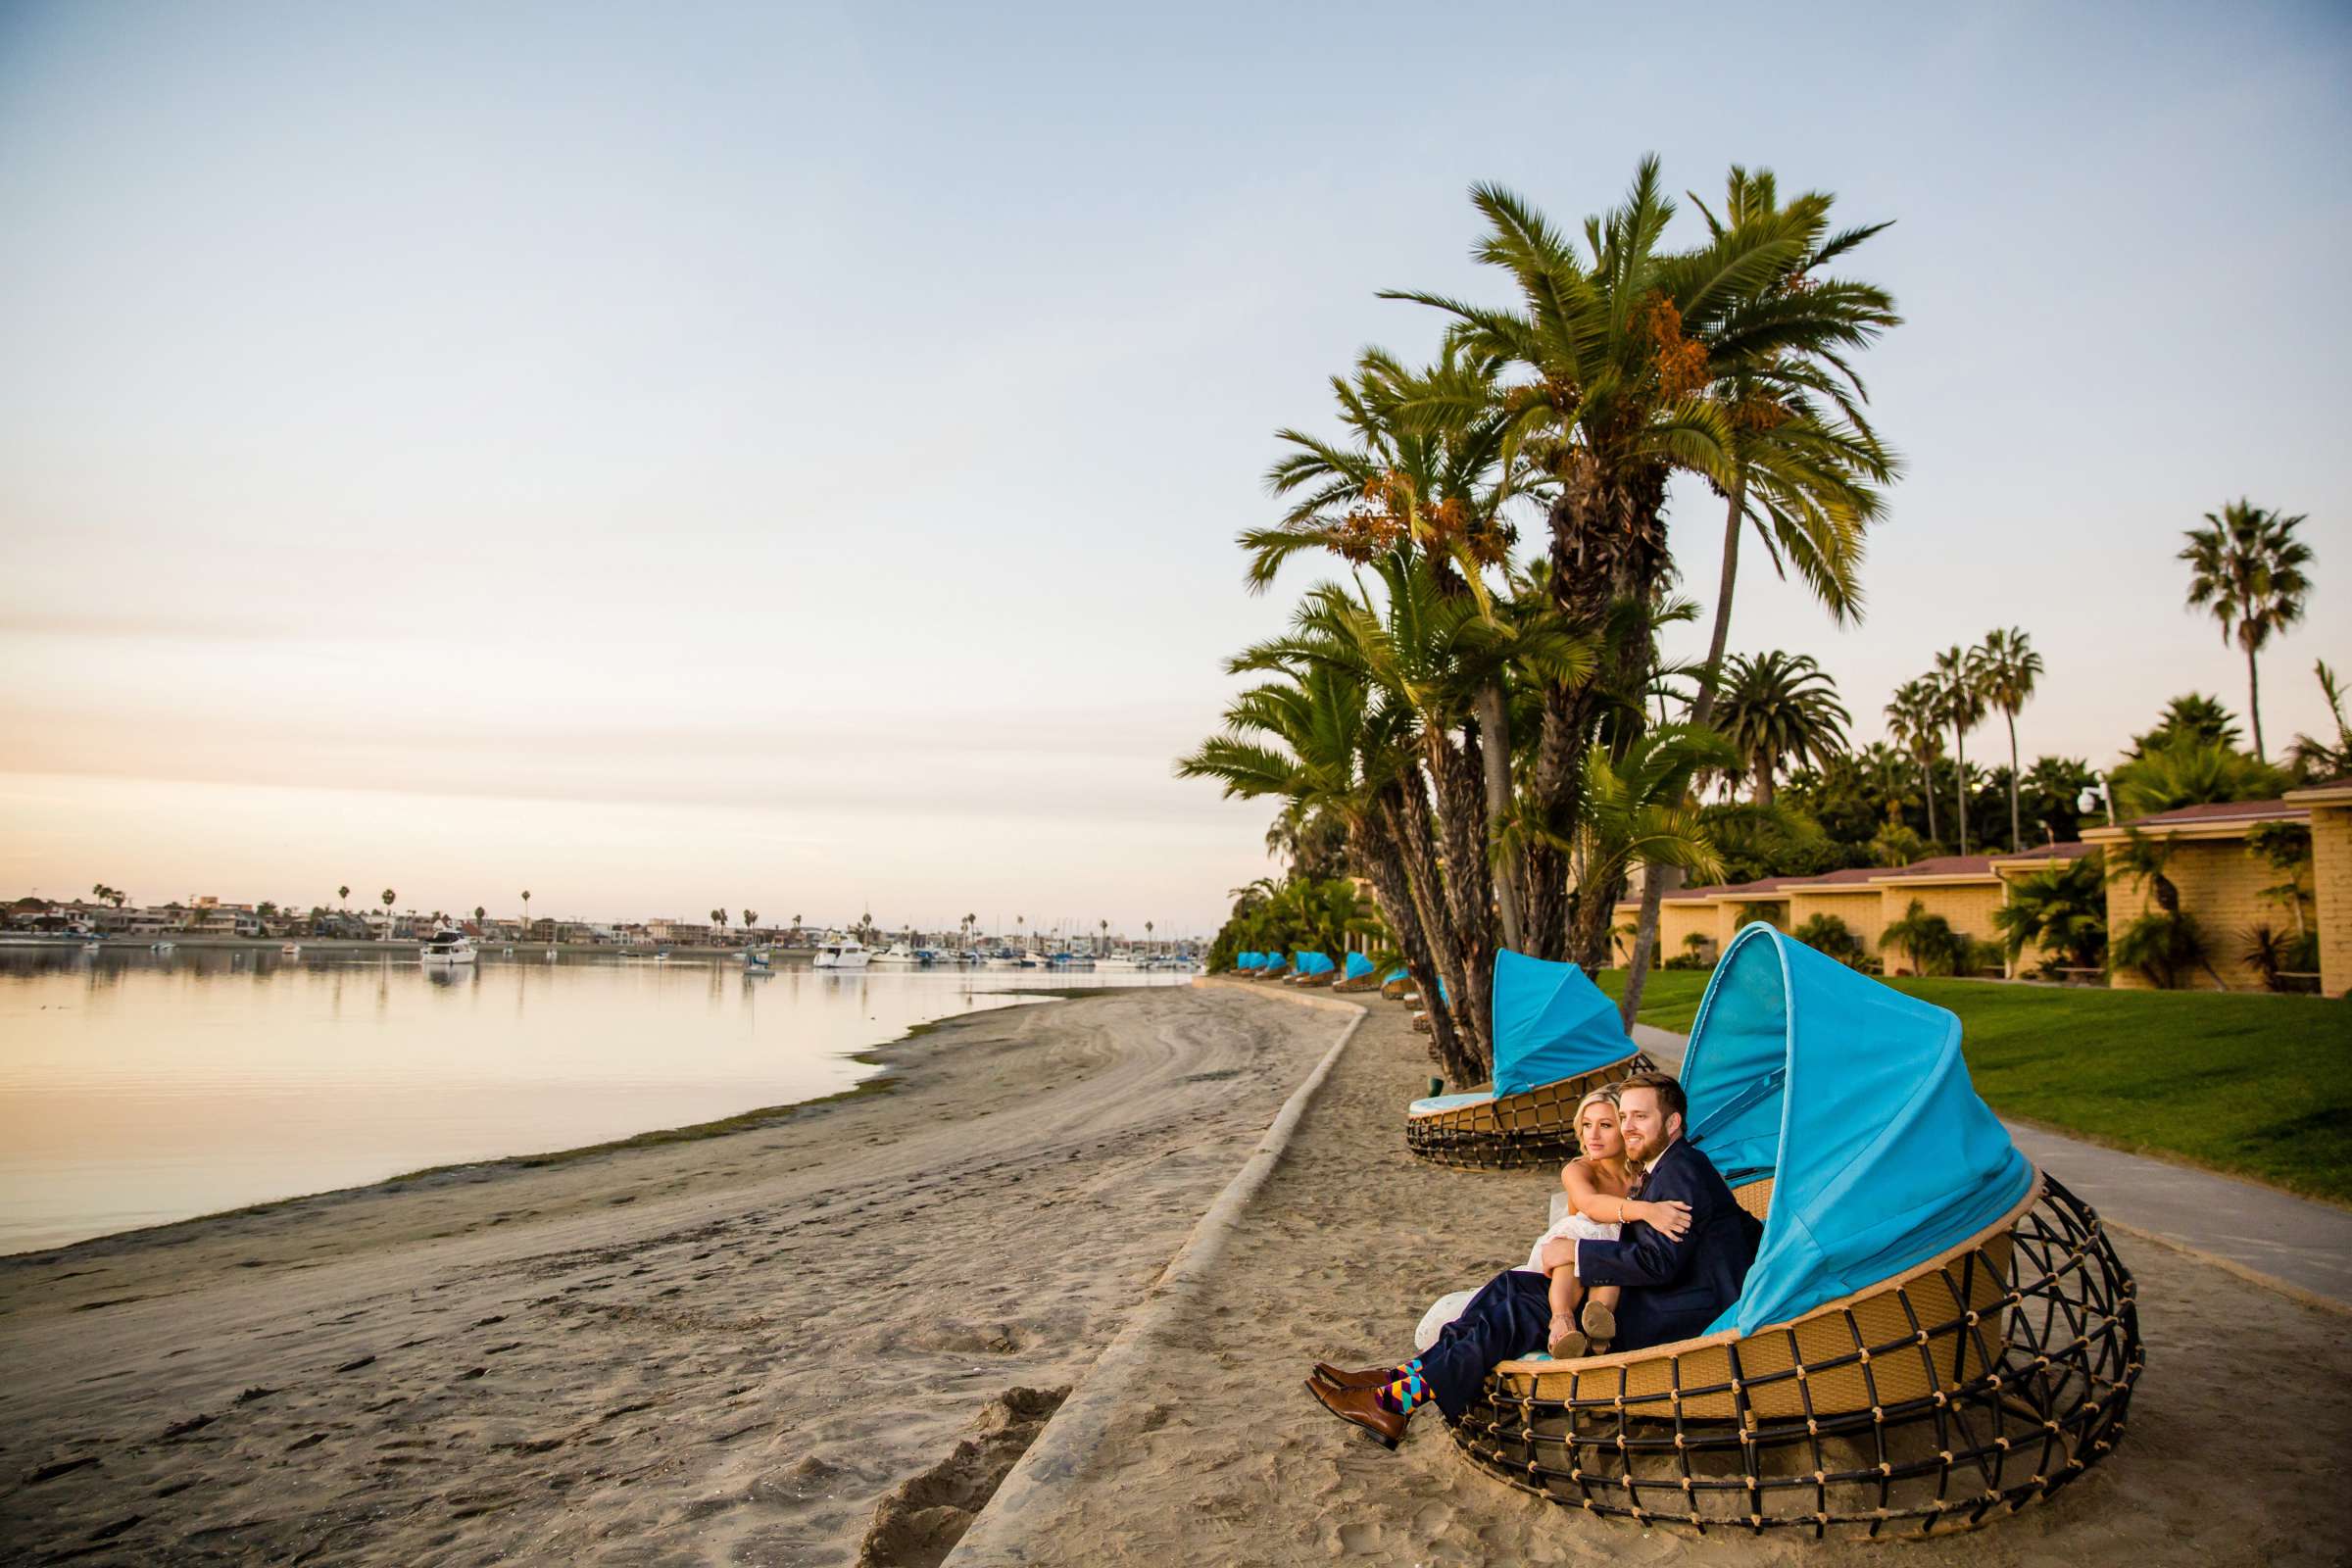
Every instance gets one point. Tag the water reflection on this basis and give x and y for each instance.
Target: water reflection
(139, 1087)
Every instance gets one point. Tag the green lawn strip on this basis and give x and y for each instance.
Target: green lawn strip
(2258, 1086)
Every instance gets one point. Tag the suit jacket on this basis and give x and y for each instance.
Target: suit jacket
(1675, 1288)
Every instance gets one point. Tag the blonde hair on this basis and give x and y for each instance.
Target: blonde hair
(1608, 1095)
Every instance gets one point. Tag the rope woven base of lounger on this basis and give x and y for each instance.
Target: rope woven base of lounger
(1537, 1127)
(1954, 1394)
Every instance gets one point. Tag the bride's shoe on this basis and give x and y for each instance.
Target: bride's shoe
(1599, 1323)
(1567, 1341)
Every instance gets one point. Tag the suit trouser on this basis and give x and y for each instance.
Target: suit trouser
(1510, 1316)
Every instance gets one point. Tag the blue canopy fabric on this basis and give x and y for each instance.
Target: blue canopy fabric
(1857, 1099)
(1315, 964)
(1550, 1022)
(1250, 961)
(1358, 966)
(1393, 977)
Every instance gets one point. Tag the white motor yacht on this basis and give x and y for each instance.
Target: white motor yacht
(449, 946)
(293, 950)
(842, 953)
(1115, 961)
(898, 953)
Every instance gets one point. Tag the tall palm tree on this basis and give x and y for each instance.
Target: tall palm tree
(1426, 473)
(388, 897)
(1321, 732)
(526, 911)
(343, 896)
(2011, 671)
(1806, 465)
(2247, 567)
(1779, 707)
(1958, 682)
(1622, 343)
(1916, 720)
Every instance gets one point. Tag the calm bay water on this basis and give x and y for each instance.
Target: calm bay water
(138, 1088)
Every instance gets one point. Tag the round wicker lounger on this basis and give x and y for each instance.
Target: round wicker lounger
(1511, 1132)
(1960, 1390)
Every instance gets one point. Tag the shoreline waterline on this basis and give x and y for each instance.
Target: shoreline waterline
(881, 1081)
(138, 1089)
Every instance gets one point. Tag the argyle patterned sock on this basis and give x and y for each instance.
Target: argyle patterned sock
(1406, 1392)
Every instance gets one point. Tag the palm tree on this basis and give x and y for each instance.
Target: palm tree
(749, 917)
(1959, 687)
(1779, 707)
(1321, 735)
(526, 911)
(343, 897)
(1804, 476)
(388, 897)
(480, 914)
(1916, 721)
(2246, 567)
(1623, 344)
(1146, 933)
(2011, 670)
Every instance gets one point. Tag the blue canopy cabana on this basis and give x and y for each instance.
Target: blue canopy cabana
(1315, 964)
(1394, 975)
(1855, 1098)
(1550, 1023)
(1250, 961)
(1358, 966)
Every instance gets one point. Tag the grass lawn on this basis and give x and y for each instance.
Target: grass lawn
(2260, 1085)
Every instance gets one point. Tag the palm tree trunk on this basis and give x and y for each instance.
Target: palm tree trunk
(1468, 880)
(1636, 965)
(1702, 708)
(2017, 834)
(1960, 783)
(1495, 753)
(1927, 773)
(1447, 1024)
(2254, 703)
(1765, 767)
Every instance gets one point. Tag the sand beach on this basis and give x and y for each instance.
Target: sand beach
(821, 1342)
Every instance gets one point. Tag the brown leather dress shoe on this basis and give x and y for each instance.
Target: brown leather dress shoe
(1358, 1407)
(1371, 1377)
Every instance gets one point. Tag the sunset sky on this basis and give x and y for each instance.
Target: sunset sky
(674, 456)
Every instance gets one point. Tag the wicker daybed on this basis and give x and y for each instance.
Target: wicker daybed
(1992, 1367)
(1556, 1040)
(1357, 974)
(1315, 970)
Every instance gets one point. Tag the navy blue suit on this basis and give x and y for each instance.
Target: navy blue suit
(1675, 1288)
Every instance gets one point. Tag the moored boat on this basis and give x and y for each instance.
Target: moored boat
(841, 952)
(449, 946)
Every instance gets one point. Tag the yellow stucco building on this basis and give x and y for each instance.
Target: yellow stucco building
(2228, 890)
(1964, 889)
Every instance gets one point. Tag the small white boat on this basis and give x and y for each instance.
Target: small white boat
(449, 946)
(551, 955)
(159, 946)
(842, 953)
(897, 953)
(1115, 961)
(293, 950)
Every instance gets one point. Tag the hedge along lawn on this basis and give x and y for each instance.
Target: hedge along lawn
(2259, 1085)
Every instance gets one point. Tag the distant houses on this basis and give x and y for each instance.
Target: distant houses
(2215, 859)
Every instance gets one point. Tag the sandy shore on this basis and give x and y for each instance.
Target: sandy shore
(817, 1342)
(2238, 1433)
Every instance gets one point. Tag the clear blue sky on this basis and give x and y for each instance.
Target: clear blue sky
(666, 456)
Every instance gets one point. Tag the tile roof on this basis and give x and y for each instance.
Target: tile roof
(2220, 811)
(2064, 849)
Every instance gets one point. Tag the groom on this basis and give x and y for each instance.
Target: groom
(1673, 1288)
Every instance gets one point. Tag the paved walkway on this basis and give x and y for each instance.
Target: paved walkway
(2286, 1240)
